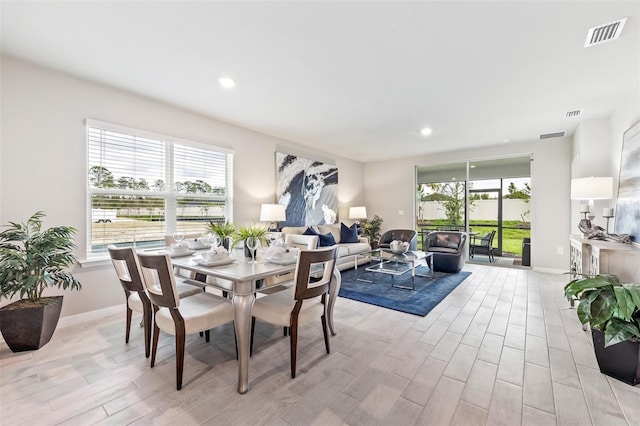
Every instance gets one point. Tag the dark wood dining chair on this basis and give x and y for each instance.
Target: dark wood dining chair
(125, 262)
(179, 317)
(302, 303)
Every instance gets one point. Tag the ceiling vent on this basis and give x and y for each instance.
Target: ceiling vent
(552, 135)
(606, 32)
(571, 114)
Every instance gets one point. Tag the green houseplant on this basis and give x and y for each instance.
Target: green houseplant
(612, 309)
(246, 231)
(371, 229)
(32, 259)
(224, 230)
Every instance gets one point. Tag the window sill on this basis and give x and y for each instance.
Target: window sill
(94, 263)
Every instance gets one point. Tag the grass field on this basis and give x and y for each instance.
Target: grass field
(512, 234)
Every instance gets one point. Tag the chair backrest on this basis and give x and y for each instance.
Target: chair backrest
(408, 235)
(309, 242)
(447, 239)
(310, 285)
(168, 239)
(159, 280)
(126, 265)
(487, 239)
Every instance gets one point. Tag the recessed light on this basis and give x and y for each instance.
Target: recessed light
(505, 141)
(226, 82)
(425, 131)
(473, 166)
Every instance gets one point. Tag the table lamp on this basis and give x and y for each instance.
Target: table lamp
(357, 213)
(273, 213)
(591, 188)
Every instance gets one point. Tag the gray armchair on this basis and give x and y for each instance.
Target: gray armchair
(408, 235)
(448, 248)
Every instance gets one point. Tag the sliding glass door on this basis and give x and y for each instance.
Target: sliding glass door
(478, 196)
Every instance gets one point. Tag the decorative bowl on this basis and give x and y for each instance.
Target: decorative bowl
(399, 247)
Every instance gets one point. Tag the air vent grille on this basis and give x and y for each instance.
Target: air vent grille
(552, 135)
(571, 114)
(606, 32)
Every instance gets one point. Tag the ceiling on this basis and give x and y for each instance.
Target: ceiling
(357, 79)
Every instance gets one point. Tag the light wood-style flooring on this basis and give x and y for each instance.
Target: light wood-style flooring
(499, 350)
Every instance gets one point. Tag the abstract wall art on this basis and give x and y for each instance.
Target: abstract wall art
(628, 205)
(308, 189)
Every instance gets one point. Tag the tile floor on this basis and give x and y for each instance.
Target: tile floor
(500, 349)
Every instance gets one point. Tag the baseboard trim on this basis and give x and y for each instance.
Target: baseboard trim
(550, 270)
(91, 315)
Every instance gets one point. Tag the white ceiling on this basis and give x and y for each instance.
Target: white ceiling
(358, 79)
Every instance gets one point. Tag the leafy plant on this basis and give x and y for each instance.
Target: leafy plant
(32, 259)
(371, 228)
(223, 230)
(608, 305)
(246, 231)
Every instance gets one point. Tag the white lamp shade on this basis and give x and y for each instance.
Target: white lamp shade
(592, 188)
(273, 213)
(357, 212)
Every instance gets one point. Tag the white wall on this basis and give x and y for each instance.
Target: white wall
(390, 191)
(43, 160)
(597, 151)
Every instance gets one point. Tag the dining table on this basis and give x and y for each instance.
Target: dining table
(244, 276)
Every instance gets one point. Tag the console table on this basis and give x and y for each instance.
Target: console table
(605, 257)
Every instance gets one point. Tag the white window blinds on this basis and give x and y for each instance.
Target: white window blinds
(142, 187)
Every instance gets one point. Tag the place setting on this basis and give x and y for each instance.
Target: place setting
(215, 256)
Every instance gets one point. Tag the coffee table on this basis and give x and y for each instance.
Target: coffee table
(384, 261)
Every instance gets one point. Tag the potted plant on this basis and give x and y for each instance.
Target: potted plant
(613, 311)
(32, 259)
(246, 231)
(371, 229)
(224, 230)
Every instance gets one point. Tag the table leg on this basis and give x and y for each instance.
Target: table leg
(243, 298)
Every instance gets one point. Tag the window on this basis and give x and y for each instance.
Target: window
(143, 186)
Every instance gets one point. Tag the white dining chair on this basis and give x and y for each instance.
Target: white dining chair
(302, 303)
(175, 316)
(125, 262)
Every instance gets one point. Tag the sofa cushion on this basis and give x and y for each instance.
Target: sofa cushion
(348, 234)
(446, 240)
(437, 249)
(334, 229)
(343, 250)
(355, 248)
(326, 240)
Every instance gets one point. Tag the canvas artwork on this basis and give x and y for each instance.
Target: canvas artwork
(308, 189)
(628, 205)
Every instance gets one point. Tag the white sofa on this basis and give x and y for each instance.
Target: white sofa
(346, 251)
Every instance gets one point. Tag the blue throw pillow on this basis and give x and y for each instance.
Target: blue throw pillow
(323, 240)
(326, 240)
(310, 231)
(348, 234)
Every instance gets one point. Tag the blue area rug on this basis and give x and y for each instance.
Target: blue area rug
(428, 293)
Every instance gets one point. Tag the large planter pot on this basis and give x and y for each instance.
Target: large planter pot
(26, 328)
(620, 361)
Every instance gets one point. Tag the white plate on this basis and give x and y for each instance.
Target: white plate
(215, 262)
(198, 245)
(181, 254)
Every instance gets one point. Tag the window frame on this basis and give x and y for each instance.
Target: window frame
(169, 194)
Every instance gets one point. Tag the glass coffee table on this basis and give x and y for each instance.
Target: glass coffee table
(384, 261)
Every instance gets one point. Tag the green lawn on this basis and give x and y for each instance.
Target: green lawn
(512, 234)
